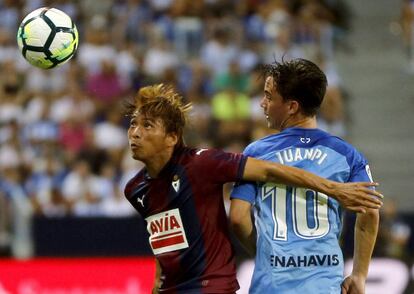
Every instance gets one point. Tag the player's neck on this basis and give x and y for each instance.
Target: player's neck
(157, 163)
(306, 122)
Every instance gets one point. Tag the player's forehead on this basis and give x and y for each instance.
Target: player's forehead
(145, 117)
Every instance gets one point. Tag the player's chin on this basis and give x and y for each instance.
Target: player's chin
(136, 155)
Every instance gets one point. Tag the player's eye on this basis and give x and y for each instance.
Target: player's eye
(147, 125)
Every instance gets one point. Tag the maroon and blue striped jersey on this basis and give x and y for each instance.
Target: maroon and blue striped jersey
(186, 219)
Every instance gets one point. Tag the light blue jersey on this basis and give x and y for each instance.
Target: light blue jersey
(297, 228)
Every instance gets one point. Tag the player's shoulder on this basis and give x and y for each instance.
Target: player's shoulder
(340, 145)
(209, 157)
(259, 142)
(266, 143)
(191, 154)
(326, 138)
(134, 182)
(201, 152)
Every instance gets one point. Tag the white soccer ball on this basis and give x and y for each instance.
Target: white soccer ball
(47, 37)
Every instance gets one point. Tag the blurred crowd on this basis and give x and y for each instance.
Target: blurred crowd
(63, 143)
(405, 27)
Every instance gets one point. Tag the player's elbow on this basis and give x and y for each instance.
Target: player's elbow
(268, 172)
(257, 170)
(276, 173)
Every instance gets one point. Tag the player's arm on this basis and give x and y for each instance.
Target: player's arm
(242, 225)
(354, 196)
(157, 277)
(366, 229)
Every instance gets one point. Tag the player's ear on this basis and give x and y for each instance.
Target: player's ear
(171, 139)
(294, 107)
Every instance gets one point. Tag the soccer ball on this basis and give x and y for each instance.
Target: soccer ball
(47, 37)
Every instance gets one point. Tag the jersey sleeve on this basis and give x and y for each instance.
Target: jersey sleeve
(245, 190)
(220, 166)
(360, 171)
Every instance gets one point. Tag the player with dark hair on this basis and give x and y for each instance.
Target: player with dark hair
(179, 193)
(297, 227)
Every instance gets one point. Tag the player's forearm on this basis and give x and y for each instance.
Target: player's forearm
(265, 171)
(366, 229)
(298, 177)
(353, 196)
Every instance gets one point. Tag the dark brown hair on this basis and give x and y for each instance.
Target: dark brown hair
(300, 80)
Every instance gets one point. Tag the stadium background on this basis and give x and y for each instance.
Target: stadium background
(64, 225)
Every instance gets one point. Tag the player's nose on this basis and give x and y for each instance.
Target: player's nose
(136, 132)
(263, 103)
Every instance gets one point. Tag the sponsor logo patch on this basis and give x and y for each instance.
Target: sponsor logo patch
(166, 231)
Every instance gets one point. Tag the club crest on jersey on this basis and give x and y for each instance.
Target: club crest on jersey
(305, 140)
(166, 231)
(176, 183)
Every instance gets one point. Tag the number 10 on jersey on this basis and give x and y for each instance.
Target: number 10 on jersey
(309, 211)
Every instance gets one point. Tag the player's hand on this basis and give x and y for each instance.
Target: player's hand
(353, 285)
(357, 196)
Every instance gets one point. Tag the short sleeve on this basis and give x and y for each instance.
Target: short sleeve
(220, 166)
(360, 171)
(245, 190)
